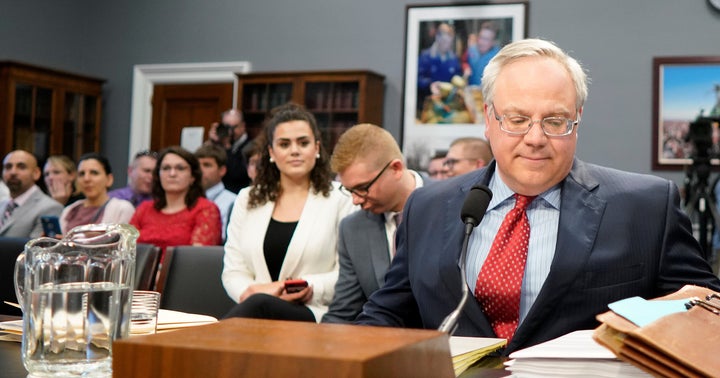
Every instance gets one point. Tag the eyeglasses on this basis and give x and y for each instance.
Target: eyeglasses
(450, 162)
(362, 190)
(516, 124)
(178, 168)
(148, 153)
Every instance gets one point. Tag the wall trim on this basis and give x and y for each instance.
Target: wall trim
(145, 76)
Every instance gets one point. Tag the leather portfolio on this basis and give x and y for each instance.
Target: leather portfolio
(269, 348)
(680, 344)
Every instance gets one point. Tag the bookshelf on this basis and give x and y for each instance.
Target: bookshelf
(47, 112)
(337, 99)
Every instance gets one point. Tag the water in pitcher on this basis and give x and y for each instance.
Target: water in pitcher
(71, 327)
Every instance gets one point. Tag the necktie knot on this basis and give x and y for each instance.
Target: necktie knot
(522, 202)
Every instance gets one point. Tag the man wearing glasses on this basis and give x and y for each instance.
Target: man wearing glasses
(466, 155)
(581, 236)
(372, 171)
(140, 179)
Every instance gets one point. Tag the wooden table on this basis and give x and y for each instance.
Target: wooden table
(12, 367)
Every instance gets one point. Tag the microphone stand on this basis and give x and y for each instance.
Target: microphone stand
(449, 325)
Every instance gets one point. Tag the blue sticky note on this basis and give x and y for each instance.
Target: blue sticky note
(643, 312)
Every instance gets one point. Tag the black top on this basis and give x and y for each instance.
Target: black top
(277, 240)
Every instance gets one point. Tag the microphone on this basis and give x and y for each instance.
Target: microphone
(473, 210)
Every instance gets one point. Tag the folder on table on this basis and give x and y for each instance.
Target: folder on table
(681, 342)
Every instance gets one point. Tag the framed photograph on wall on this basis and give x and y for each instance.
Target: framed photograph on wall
(446, 50)
(686, 111)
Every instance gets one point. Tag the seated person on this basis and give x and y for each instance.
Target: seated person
(179, 214)
(285, 225)
(372, 170)
(94, 179)
(60, 173)
(140, 179)
(21, 212)
(252, 153)
(581, 236)
(213, 164)
(436, 166)
(465, 155)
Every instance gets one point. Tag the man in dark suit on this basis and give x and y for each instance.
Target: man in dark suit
(371, 169)
(231, 135)
(20, 214)
(596, 235)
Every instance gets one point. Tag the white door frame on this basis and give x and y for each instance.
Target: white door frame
(145, 76)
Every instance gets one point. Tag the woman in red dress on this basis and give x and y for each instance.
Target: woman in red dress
(179, 213)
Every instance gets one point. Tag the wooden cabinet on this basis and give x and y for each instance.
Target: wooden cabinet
(48, 112)
(338, 99)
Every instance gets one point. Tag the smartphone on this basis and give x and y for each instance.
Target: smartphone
(295, 285)
(50, 225)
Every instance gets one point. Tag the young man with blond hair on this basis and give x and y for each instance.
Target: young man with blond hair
(372, 171)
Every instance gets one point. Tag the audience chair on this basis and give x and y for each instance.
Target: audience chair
(10, 248)
(189, 281)
(147, 260)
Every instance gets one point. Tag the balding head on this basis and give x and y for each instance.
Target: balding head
(20, 172)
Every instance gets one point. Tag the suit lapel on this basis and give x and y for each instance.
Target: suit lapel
(7, 224)
(580, 215)
(21, 211)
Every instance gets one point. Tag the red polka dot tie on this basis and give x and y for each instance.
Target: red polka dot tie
(500, 279)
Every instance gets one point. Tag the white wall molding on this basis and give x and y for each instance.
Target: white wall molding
(145, 76)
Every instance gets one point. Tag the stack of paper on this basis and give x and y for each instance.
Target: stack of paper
(169, 320)
(11, 330)
(466, 351)
(575, 354)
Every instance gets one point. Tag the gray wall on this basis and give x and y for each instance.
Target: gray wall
(614, 39)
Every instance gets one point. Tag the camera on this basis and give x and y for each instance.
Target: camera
(223, 130)
(700, 137)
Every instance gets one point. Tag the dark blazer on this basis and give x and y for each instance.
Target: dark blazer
(620, 235)
(364, 258)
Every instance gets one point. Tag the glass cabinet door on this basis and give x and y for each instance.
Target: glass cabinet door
(32, 119)
(79, 125)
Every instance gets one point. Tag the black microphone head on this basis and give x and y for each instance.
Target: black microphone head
(476, 203)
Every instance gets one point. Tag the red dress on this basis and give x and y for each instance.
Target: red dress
(198, 225)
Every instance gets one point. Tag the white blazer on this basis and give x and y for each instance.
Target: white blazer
(311, 255)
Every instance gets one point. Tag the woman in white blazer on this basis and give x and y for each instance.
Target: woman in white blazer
(94, 177)
(285, 225)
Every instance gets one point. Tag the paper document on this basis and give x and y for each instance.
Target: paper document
(643, 312)
(168, 319)
(574, 354)
(466, 351)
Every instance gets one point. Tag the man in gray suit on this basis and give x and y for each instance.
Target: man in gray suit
(372, 170)
(21, 213)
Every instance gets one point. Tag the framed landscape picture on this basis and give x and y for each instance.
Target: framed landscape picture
(446, 50)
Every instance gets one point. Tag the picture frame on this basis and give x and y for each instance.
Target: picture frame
(686, 111)
(446, 48)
